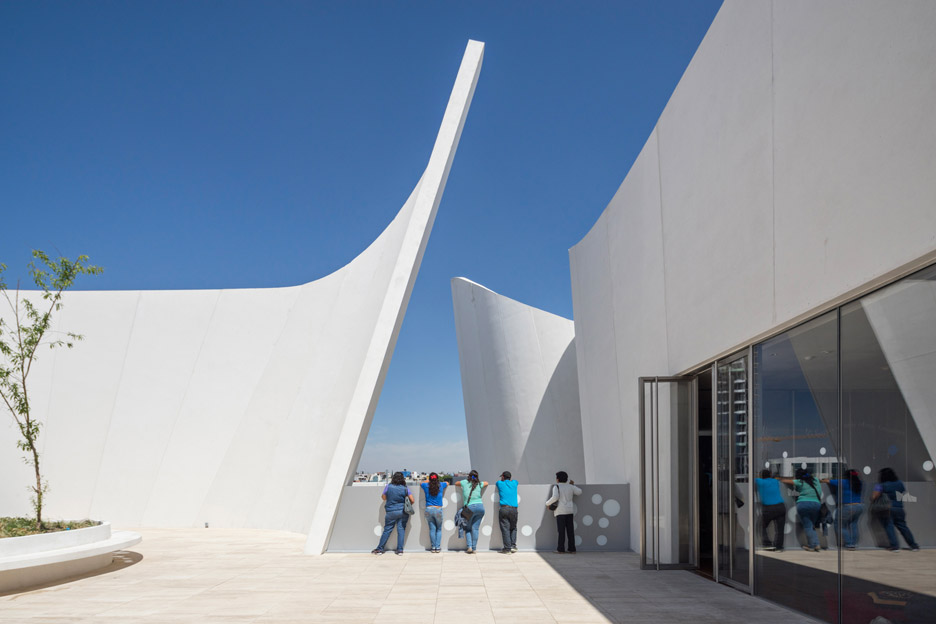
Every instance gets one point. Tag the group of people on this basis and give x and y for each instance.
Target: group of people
(886, 508)
(399, 503)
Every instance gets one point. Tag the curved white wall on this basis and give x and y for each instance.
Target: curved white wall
(793, 165)
(520, 387)
(241, 408)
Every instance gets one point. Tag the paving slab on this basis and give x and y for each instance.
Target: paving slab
(262, 577)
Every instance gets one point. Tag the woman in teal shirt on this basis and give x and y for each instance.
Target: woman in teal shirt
(807, 504)
(472, 488)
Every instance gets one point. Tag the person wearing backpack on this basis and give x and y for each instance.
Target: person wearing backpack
(808, 504)
(473, 508)
(564, 510)
(395, 494)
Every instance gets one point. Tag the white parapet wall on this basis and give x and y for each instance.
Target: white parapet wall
(238, 408)
(520, 387)
(792, 168)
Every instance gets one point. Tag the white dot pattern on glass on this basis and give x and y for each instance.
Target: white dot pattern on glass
(785, 455)
(602, 540)
(448, 525)
(578, 540)
(822, 451)
(603, 523)
(927, 465)
(611, 507)
(596, 498)
(378, 530)
(866, 470)
(526, 530)
(486, 530)
(587, 520)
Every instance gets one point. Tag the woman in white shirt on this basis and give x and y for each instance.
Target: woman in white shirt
(562, 495)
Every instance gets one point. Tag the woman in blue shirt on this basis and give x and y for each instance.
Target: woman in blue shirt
(889, 485)
(394, 494)
(773, 510)
(434, 490)
(847, 494)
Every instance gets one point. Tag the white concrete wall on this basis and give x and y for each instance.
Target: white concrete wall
(794, 165)
(241, 408)
(520, 387)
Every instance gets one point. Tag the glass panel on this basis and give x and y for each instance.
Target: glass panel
(732, 475)
(889, 419)
(796, 407)
(669, 536)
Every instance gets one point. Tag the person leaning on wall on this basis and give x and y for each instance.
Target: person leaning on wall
(564, 510)
(395, 494)
(772, 509)
(507, 515)
(434, 489)
(473, 509)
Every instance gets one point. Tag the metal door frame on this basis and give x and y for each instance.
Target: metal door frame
(749, 370)
(654, 383)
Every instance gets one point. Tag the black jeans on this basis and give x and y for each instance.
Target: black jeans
(566, 530)
(508, 525)
(775, 514)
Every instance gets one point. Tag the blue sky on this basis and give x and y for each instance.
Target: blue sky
(247, 144)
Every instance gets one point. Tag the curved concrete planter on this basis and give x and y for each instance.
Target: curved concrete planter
(39, 559)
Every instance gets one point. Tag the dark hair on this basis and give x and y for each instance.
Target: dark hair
(506, 474)
(803, 475)
(473, 475)
(433, 484)
(562, 476)
(764, 474)
(397, 479)
(854, 481)
(887, 474)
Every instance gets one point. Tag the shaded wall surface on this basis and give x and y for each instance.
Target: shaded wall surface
(241, 408)
(601, 520)
(520, 386)
(792, 166)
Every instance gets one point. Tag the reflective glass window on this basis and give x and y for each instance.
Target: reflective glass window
(796, 455)
(889, 439)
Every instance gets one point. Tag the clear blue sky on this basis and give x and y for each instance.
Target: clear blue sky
(256, 144)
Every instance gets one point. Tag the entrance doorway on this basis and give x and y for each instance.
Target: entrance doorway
(696, 490)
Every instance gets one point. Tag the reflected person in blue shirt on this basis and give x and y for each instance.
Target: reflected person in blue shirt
(773, 510)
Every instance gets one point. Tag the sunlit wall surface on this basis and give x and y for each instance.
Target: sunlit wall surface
(854, 390)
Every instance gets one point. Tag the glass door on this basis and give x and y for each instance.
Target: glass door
(733, 500)
(668, 522)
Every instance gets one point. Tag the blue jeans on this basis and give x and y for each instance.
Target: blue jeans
(849, 515)
(809, 517)
(471, 535)
(434, 520)
(898, 518)
(394, 518)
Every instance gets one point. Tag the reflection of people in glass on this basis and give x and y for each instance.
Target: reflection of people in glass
(847, 493)
(773, 511)
(807, 504)
(888, 485)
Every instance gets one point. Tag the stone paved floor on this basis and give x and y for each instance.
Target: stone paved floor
(261, 576)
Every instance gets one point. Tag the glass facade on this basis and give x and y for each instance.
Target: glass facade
(845, 414)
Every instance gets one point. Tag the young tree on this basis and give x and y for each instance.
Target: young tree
(21, 336)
